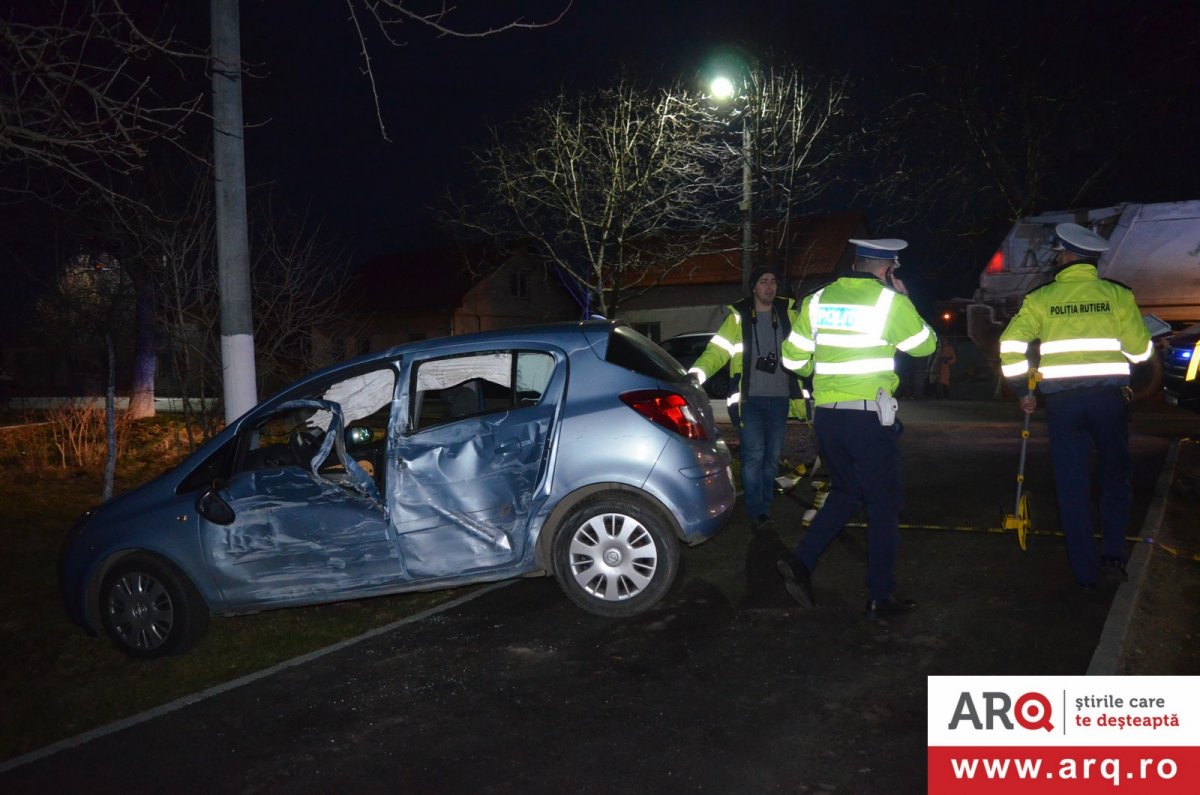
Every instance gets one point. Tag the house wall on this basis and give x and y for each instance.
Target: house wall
(694, 296)
(520, 292)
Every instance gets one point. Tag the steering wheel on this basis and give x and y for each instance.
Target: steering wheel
(304, 444)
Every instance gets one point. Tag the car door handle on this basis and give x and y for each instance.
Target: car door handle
(511, 446)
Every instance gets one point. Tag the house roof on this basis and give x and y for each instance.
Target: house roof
(437, 280)
(819, 245)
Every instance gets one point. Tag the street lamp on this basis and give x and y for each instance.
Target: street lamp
(723, 89)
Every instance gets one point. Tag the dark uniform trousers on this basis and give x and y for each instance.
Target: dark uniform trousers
(863, 458)
(1080, 419)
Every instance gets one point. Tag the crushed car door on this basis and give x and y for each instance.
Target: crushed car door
(466, 465)
(306, 521)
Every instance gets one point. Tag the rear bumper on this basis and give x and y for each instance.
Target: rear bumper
(702, 499)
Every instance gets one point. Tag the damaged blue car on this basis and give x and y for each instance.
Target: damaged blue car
(578, 450)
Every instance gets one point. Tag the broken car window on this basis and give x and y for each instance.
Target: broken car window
(457, 387)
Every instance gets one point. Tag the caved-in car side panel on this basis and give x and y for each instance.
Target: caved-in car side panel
(461, 489)
(304, 531)
(297, 537)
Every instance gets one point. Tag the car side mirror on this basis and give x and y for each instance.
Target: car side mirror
(212, 506)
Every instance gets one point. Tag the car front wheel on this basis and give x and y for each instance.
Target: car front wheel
(615, 557)
(150, 610)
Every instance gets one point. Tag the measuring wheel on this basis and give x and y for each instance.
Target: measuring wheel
(1023, 521)
(1020, 521)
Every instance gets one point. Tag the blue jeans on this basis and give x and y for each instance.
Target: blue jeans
(764, 422)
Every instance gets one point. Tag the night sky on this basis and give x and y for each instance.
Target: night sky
(316, 145)
(321, 149)
(439, 94)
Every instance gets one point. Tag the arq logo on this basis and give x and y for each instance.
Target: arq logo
(1032, 711)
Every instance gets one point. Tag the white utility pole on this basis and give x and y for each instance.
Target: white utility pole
(233, 246)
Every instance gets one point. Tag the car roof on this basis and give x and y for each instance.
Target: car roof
(545, 332)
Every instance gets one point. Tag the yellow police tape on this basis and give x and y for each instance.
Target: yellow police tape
(1018, 524)
(1175, 551)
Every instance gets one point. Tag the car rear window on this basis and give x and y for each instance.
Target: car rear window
(633, 351)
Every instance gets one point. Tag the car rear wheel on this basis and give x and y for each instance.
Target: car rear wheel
(615, 556)
(151, 610)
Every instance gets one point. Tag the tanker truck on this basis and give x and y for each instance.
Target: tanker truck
(1154, 249)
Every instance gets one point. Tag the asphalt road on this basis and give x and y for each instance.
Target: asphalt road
(726, 687)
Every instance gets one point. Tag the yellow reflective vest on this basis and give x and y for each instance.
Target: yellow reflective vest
(850, 331)
(1090, 331)
(726, 347)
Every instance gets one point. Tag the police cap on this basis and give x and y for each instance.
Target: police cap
(1079, 240)
(885, 248)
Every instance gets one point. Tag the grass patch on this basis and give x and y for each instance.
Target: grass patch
(55, 680)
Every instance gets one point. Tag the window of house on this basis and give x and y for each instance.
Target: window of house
(518, 284)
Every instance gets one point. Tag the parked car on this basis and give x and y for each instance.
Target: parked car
(580, 450)
(1178, 360)
(686, 348)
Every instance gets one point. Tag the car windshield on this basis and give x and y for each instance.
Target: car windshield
(686, 349)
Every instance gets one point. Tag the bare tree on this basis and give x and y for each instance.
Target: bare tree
(388, 18)
(92, 299)
(187, 300)
(1009, 119)
(298, 282)
(611, 189)
(297, 285)
(80, 102)
(799, 140)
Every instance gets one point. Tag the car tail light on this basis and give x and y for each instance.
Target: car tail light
(668, 409)
(996, 263)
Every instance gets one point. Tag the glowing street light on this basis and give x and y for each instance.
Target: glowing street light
(721, 88)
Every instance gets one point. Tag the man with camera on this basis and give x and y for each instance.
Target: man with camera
(849, 332)
(762, 394)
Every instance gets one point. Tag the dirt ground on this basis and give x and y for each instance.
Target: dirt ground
(1163, 634)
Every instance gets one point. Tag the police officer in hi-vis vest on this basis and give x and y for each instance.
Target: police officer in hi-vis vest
(1090, 331)
(850, 331)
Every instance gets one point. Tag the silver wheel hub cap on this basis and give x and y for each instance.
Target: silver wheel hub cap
(140, 611)
(613, 556)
